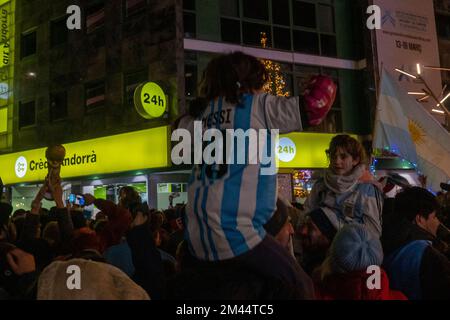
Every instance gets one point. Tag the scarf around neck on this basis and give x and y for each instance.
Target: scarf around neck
(341, 184)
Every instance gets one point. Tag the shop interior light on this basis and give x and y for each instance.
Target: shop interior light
(438, 111)
(406, 73)
(419, 69)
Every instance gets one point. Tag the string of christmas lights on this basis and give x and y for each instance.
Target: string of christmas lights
(276, 84)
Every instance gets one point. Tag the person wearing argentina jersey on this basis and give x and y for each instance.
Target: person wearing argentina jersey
(233, 194)
(348, 193)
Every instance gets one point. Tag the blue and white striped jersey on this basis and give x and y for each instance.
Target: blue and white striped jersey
(228, 204)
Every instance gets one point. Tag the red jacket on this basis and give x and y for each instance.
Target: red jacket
(353, 286)
(119, 220)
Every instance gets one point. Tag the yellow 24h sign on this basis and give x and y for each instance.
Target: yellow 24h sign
(150, 100)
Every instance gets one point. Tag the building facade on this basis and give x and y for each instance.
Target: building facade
(71, 86)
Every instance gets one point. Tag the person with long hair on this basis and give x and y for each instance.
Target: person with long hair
(229, 203)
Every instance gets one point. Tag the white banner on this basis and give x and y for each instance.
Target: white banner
(408, 37)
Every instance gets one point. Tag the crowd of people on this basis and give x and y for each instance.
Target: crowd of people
(236, 238)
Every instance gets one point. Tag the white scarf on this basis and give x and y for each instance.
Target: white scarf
(341, 184)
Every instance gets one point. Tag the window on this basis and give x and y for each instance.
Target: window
(328, 45)
(133, 7)
(27, 114)
(442, 5)
(256, 9)
(251, 33)
(307, 42)
(305, 26)
(229, 8)
(325, 18)
(282, 38)
(134, 25)
(96, 40)
(132, 81)
(189, 19)
(280, 12)
(95, 95)
(304, 14)
(189, 5)
(58, 106)
(189, 25)
(28, 44)
(95, 16)
(230, 30)
(190, 78)
(58, 32)
(191, 74)
(443, 26)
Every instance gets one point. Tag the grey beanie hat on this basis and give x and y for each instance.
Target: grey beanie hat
(354, 248)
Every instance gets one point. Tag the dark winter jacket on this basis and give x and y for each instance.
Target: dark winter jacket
(228, 281)
(149, 271)
(433, 269)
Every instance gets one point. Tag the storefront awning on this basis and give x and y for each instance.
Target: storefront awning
(145, 149)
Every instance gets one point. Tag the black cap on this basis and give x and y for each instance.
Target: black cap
(445, 186)
(324, 224)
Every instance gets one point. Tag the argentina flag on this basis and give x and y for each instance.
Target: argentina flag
(408, 129)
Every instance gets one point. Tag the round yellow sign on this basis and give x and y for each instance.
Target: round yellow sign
(150, 100)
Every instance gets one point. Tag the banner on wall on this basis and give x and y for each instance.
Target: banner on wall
(7, 47)
(408, 37)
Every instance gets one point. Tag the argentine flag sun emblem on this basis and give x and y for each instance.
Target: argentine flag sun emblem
(417, 133)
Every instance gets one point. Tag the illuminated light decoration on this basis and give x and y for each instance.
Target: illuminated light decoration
(443, 100)
(301, 183)
(406, 73)
(275, 84)
(423, 98)
(417, 93)
(436, 68)
(428, 92)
